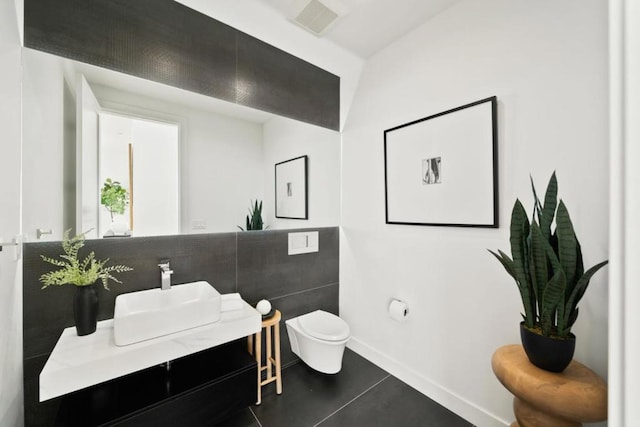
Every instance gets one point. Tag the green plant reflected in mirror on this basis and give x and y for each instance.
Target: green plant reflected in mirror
(254, 219)
(114, 197)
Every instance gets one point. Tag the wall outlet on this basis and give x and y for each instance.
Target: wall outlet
(198, 224)
(303, 243)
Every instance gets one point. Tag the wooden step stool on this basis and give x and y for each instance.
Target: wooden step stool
(273, 365)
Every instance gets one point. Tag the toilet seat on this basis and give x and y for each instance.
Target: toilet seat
(324, 326)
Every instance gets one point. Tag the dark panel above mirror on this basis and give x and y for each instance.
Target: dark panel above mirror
(270, 79)
(164, 41)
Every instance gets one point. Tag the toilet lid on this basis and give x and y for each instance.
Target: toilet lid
(324, 326)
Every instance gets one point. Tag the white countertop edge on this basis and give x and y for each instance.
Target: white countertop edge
(79, 362)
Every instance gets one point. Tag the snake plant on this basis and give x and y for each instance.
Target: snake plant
(547, 265)
(254, 219)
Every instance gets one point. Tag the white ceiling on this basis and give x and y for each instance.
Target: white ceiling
(370, 25)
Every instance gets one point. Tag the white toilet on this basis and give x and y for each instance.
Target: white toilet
(319, 339)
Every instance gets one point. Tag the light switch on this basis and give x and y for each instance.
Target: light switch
(303, 243)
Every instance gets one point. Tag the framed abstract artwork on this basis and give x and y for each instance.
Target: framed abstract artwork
(292, 189)
(442, 169)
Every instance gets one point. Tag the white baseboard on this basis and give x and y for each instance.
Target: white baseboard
(436, 392)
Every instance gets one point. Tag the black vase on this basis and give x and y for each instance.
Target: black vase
(550, 354)
(85, 309)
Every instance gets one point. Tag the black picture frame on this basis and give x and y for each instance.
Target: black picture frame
(292, 188)
(442, 170)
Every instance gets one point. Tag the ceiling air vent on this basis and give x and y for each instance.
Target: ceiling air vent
(317, 17)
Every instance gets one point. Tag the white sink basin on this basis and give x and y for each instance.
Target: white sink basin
(144, 315)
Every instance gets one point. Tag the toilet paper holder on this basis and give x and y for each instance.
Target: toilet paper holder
(398, 310)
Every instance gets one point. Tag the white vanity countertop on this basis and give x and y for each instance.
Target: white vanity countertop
(79, 362)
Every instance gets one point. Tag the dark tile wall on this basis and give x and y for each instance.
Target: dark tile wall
(255, 264)
(167, 42)
(274, 81)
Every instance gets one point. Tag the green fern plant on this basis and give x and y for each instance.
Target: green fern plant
(114, 197)
(254, 219)
(74, 271)
(547, 265)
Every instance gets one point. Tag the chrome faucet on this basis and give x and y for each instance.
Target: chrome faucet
(165, 275)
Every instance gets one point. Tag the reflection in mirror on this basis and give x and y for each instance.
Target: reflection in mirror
(87, 112)
(142, 156)
(226, 154)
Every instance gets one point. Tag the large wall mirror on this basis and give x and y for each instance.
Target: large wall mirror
(196, 160)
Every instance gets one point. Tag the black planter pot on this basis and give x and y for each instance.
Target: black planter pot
(85, 309)
(550, 354)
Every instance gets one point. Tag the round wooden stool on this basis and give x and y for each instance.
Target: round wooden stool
(272, 356)
(543, 398)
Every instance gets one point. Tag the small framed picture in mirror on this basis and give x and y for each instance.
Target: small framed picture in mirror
(291, 189)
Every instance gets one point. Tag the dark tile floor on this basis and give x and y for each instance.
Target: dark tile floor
(360, 395)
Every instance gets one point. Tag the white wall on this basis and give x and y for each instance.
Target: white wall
(156, 178)
(222, 171)
(11, 399)
(546, 61)
(87, 192)
(42, 100)
(286, 139)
